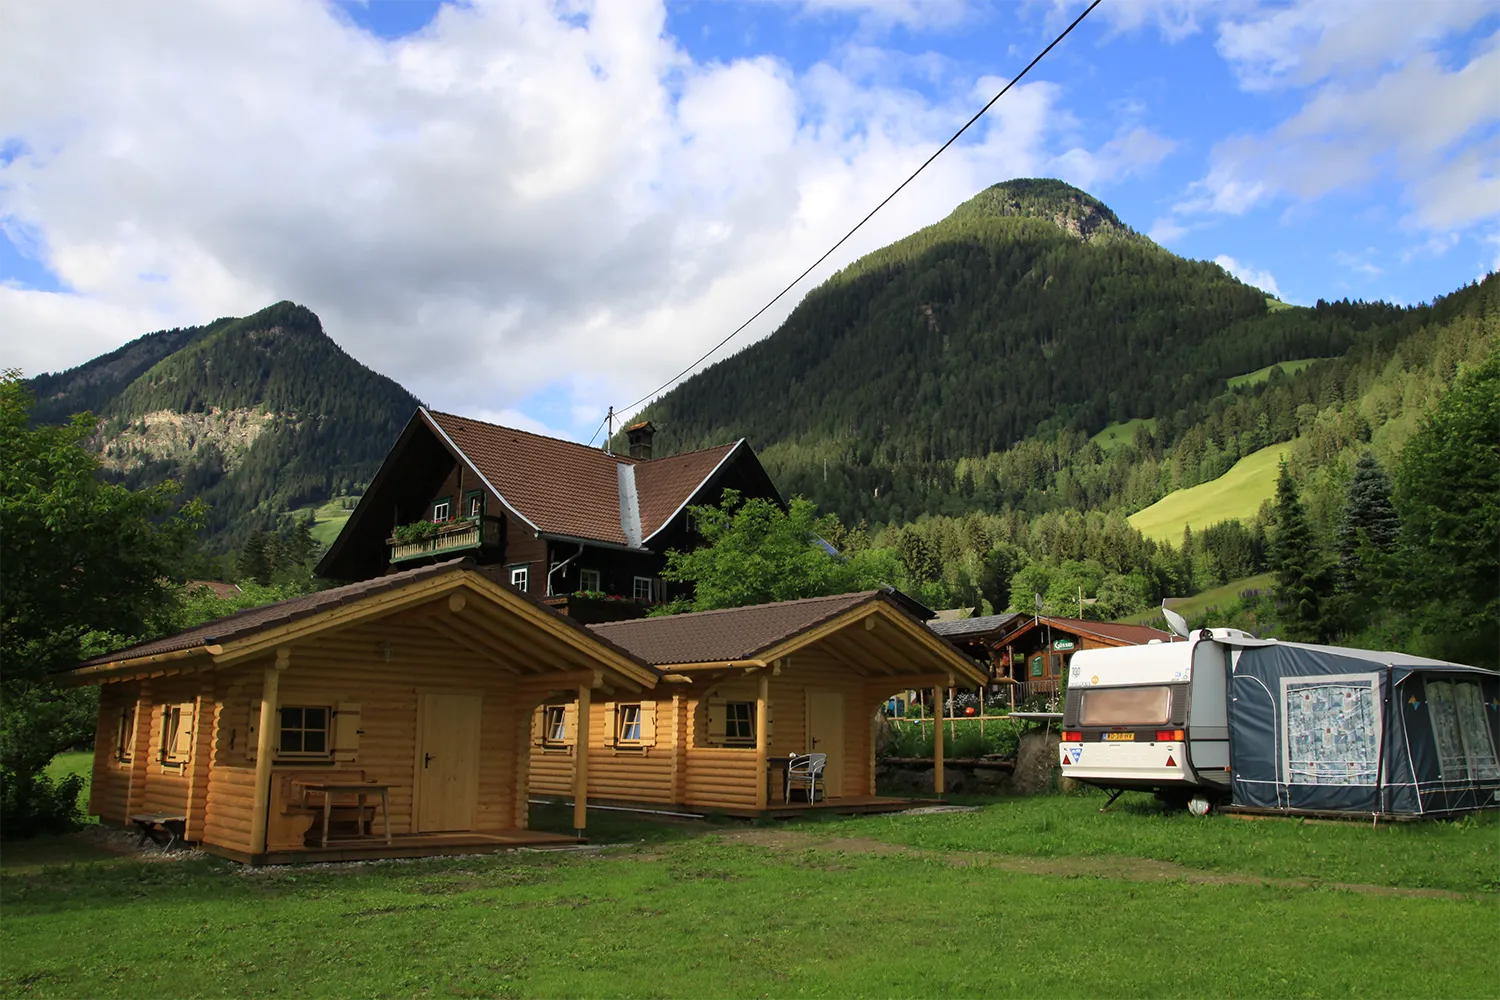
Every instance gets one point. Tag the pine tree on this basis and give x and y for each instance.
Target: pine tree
(1368, 515)
(254, 564)
(1301, 576)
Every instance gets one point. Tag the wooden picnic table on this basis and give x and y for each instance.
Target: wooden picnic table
(358, 789)
(174, 825)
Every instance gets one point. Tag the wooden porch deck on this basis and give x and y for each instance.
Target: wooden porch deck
(420, 845)
(849, 805)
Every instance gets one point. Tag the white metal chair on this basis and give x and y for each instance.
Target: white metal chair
(805, 771)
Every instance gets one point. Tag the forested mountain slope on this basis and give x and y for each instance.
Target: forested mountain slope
(253, 415)
(1029, 312)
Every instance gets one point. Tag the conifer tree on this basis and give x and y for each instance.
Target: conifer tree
(254, 564)
(1301, 577)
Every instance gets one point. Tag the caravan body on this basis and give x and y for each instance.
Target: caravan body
(1151, 717)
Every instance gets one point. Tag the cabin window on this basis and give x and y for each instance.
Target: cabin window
(176, 733)
(628, 721)
(125, 735)
(739, 724)
(442, 511)
(589, 579)
(304, 732)
(518, 577)
(642, 588)
(474, 503)
(1125, 706)
(555, 729)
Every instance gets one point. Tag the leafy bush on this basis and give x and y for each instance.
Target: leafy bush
(32, 804)
(417, 531)
(961, 738)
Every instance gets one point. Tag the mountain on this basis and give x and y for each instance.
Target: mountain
(254, 415)
(1030, 318)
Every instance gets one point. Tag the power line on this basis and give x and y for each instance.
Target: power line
(954, 138)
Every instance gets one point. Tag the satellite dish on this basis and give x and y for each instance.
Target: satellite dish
(1176, 622)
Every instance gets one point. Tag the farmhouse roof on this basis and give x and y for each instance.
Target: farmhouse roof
(1111, 632)
(965, 628)
(568, 489)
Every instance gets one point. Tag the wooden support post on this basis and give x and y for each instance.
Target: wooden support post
(762, 706)
(264, 749)
(981, 710)
(937, 740)
(952, 720)
(581, 762)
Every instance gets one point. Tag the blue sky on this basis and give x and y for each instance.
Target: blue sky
(528, 211)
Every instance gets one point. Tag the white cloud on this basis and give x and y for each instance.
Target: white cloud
(508, 201)
(1360, 262)
(1165, 230)
(1249, 275)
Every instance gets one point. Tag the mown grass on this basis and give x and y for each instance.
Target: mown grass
(1236, 495)
(331, 517)
(1191, 607)
(704, 917)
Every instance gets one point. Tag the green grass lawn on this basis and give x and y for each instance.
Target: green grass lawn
(1027, 897)
(1116, 435)
(1288, 368)
(1190, 607)
(330, 518)
(1236, 495)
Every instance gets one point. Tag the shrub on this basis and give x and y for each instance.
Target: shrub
(33, 804)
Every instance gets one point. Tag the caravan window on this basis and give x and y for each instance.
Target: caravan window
(1331, 730)
(1463, 740)
(1125, 706)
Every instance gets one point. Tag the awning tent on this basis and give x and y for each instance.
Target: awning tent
(1327, 729)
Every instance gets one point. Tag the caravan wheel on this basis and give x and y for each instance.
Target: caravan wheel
(1199, 805)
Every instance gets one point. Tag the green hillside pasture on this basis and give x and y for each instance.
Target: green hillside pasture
(1118, 435)
(1234, 496)
(1258, 376)
(330, 516)
(1191, 607)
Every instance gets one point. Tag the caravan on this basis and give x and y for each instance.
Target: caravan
(1284, 727)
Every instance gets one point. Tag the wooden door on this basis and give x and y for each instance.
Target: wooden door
(825, 730)
(447, 762)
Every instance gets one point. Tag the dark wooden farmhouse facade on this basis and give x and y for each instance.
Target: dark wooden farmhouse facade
(562, 519)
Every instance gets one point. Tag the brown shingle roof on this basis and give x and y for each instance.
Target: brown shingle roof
(565, 488)
(1130, 635)
(967, 627)
(254, 620)
(729, 634)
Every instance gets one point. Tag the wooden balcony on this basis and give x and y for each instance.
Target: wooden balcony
(459, 536)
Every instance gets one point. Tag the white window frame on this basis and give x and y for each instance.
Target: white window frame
(555, 725)
(520, 576)
(442, 510)
(649, 587)
(328, 733)
(586, 575)
(628, 717)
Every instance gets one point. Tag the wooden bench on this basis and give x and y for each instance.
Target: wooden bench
(173, 825)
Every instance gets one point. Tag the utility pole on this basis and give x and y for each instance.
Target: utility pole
(609, 432)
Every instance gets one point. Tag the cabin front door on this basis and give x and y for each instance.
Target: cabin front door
(825, 730)
(447, 762)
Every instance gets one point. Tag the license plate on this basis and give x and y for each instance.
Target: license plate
(1112, 737)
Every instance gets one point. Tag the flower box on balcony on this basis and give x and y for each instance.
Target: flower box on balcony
(424, 539)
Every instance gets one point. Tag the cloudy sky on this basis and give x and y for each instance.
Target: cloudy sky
(528, 211)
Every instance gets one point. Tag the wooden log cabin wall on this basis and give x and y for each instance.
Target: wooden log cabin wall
(422, 688)
(816, 672)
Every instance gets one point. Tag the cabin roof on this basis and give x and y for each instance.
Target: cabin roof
(1113, 632)
(963, 628)
(565, 488)
(253, 620)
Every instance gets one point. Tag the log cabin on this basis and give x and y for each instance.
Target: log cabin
(387, 718)
(585, 530)
(742, 689)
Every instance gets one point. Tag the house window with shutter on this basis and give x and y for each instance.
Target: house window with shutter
(474, 503)
(556, 726)
(304, 732)
(177, 734)
(739, 724)
(628, 721)
(125, 735)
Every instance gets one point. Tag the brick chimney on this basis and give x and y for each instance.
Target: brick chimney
(640, 437)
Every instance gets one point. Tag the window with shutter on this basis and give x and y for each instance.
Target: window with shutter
(303, 732)
(739, 724)
(717, 722)
(125, 736)
(611, 729)
(176, 733)
(628, 723)
(346, 731)
(648, 723)
(570, 723)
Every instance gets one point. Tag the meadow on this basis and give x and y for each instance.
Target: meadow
(1236, 495)
(1193, 607)
(1023, 897)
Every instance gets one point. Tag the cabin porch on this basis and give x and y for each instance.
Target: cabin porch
(847, 805)
(416, 845)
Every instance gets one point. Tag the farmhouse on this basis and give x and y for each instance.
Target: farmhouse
(744, 689)
(379, 719)
(1029, 654)
(585, 530)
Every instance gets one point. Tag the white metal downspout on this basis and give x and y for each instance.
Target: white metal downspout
(562, 565)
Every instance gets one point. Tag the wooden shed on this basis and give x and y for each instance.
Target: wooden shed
(389, 718)
(743, 689)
